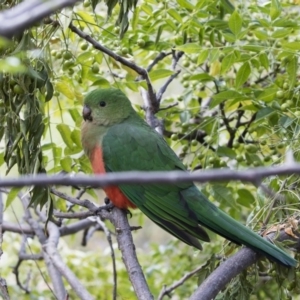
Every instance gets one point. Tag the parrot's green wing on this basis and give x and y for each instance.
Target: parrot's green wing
(127, 147)
(178, 208)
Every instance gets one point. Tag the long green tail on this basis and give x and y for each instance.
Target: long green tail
(219, 222)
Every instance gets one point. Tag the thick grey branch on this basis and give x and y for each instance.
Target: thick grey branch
(233, 266)
(50, 248)
(27, 13)
(126, 245)
(254, 175)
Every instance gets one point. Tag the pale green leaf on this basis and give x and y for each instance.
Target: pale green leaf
(291, 68)
(175, 15)
(190, 48)
(226, 95)
(159, 74)
(263, 58)
(268, 94)
(65, 133)
(66, 164)
(65, 88)
(12, 195)
(186, 4)
(227, 62)
(235, 23)
(275, 9)
(203, 77)
(291, 45)
(202, 56)
(242, 74)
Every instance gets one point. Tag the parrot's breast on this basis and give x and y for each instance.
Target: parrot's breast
(114, 194)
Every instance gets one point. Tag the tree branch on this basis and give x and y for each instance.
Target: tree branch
(50, 248)
(233, 266)
(253, 175)
(126, 245)
(24, 15)
(166, 291)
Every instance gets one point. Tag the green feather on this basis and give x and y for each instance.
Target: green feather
(128, 144)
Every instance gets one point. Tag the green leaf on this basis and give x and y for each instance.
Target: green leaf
(12, 195)
(225, 152)
(242, 74)
(202, 57)
(219, 98)
(65, 133)
(146, 8)
(261, 34)
(175, 15)
(190, 48)
(135, 18)
(254, 48)
(75, 114)
(268, 94)
(245, 198)
(159, 74)
(101, 82)
(285, 121)
(66, 164)
(202, 77)
(221, 193)
(186, 4)
(291, 45)
(227, 62)
(76, 137)
(291, 68)
(64, 88)
(281, 33)
(263, 113)
(88, 19)
(263, 58)
(275, 9)
(235, 23)
(229, 8)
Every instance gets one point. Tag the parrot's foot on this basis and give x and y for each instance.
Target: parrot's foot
(107, 201)
(108, 206)
(128, 212)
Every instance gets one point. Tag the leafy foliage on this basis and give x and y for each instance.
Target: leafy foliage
(238, 99)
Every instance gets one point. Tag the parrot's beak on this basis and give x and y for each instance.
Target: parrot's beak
(87, 113)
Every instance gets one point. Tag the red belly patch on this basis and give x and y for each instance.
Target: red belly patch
(114, 194)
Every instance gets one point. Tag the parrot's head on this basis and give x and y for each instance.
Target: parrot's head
(106, 107)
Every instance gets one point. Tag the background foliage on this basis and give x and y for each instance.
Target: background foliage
(237, 106)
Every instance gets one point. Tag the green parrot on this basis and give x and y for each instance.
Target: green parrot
(115, 139)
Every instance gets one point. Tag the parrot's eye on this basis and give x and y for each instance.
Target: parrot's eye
(102, 103)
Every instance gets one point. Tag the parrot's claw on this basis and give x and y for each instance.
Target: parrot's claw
(106, 200)
(108, 206)
(128, 212)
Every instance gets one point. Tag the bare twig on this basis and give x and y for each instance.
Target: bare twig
(166, 291)
(157, 59)
(165, 86)
(169, 106)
